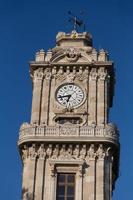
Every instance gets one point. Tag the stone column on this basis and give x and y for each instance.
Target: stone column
(111, 176)
(40, 174)
(92, 177)
(52, 183)
(107, 178)
(100, 175)
(46, 97)
(25, 173)
(32, 171)
(29, 173)
(92, 96)
(36, 97)
(101, 97)
(79, 184)
(90, 174)
(106, 100)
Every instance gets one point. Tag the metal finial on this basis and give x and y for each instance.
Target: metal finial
(76, 21)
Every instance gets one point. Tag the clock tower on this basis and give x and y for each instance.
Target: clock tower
(70, 149)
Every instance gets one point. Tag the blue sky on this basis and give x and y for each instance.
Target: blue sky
(29, 25)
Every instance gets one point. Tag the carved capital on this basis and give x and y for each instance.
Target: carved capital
(76, 151)
(42, 152)
(91, 152)
(83, 152)
(32, 152)
(93, 74)
(55, 152)
(48, 74)
(100, 152)
(49, 150)
(102, 75)
(38, 75)
(25, 153)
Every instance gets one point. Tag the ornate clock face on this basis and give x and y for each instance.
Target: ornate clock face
(70, 95)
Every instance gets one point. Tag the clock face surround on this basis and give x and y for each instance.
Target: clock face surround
(69, 95)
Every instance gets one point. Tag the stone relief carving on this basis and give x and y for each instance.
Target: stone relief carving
(83, 152)
(91, 151)
(100, 151)
(111, 130)
(25, 125)
(102, 74)
(49, 150)
(24, 152)
(32, 151)
(55, 152)
(93, 74)
(66, 130)
(42, 151)
(60, 77)
(80, 170)
(47, 73)
(66, 151)
(72, 55)
(38, 74)
(70, 78)
(76, 151)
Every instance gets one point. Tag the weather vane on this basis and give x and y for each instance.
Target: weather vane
(76, 21)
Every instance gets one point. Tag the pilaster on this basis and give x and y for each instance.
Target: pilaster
(100, 177)
(92, 96)
(46, 97)
(101, 97)
(36, 97)
(40, 173)
(29, 174)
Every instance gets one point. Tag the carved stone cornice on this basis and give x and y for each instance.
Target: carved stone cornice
(70, 74)
(66, 152)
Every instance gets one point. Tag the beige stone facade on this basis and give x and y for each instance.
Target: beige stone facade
(62, 137)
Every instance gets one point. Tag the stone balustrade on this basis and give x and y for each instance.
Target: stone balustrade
(108, 132)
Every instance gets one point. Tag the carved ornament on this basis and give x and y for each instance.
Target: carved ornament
(72, 55)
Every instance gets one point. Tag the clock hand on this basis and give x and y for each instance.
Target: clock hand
(69, 95)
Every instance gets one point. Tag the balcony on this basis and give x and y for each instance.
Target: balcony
(68, 133)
